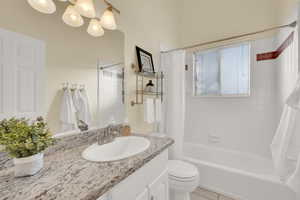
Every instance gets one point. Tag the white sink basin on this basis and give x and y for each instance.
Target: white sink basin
(122, 147)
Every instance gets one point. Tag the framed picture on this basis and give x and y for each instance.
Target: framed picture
(145, 60)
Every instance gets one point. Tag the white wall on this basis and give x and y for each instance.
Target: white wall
(243, 124)
(208, 20)
(152, 25)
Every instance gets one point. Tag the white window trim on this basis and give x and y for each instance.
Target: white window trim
(246, 95)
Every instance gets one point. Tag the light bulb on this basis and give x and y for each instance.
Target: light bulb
(95, 29)
(43, 6)
(86, 8)
(72, 17)
(108, 20)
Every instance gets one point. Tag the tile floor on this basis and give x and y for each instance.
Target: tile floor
(202, 194)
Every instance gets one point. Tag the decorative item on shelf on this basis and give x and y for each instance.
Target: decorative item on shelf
(25, 141)
(149, 87)
(145, 61)
(142, 91)
(73, 16)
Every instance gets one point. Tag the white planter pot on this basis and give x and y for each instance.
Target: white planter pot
(28, 166)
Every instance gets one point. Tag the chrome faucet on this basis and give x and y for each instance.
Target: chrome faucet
(108, 135)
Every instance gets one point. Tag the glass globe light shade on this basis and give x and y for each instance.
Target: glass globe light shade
(43, 6)
(108, 20)
(72, 18)
(95, 29)
(86, 8)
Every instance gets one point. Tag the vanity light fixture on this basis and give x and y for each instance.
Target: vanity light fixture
(73, 16)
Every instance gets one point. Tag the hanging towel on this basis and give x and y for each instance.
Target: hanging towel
(85, 113)
(149, 111)
(77, 100)
(67, 112)
(285, 146)
(158, 110)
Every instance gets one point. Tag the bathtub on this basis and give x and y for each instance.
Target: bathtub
(238, 175)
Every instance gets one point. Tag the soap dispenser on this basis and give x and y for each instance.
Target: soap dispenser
(126, 130)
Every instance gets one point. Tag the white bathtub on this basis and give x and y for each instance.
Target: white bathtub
(238, 175)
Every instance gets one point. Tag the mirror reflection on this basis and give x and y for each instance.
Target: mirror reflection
(56, 69)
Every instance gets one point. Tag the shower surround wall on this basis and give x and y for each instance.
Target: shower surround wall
(245, 124)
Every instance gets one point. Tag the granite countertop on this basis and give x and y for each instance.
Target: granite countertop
(66, 175)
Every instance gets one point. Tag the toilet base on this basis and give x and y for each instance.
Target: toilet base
(178, 195)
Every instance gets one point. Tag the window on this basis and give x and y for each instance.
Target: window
(222, 71)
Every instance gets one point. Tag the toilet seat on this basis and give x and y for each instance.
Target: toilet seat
(183, 177)
(180, 179)
(182, 171)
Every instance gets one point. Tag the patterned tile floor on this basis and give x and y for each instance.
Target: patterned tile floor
(202, 194)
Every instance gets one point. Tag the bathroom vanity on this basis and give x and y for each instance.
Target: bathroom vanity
(148, 183)
(67, 175)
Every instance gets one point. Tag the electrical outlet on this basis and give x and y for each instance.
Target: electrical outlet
(212, 138)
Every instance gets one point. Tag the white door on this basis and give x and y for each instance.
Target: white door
(21, 75)
(159, 189)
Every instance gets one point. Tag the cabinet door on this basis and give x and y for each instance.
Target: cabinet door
(159, 189)
(106, 196)
(143, 196)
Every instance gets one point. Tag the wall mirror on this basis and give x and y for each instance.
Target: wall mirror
(42, 56)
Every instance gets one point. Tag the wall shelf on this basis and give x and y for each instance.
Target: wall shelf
(140, 81)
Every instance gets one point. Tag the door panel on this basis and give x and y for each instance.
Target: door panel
(26, 92)
(144, 195)
(21, 75)
(159, 189)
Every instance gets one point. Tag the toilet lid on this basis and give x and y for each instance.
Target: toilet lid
(181, 169)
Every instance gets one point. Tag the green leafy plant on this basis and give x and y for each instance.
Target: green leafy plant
(22, 138)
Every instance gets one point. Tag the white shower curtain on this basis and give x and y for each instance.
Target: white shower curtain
(286, 143)
(174, 99)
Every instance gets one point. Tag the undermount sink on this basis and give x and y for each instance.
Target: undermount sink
(120, 148)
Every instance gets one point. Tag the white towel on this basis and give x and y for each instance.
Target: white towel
(68, 112)
(85, 113)
(158, 110)
(149, 115)
(77, 100)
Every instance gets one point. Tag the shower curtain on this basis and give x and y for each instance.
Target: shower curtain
(286, 143)
(172, 64)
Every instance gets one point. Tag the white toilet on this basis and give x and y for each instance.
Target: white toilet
(183, 179)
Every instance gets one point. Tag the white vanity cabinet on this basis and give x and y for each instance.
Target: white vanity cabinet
(144, 195)
(148, 183)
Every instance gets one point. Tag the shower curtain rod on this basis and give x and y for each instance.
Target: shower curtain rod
(109, 66)
(291, 25)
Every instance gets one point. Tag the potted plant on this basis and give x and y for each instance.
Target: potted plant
(25, 141)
